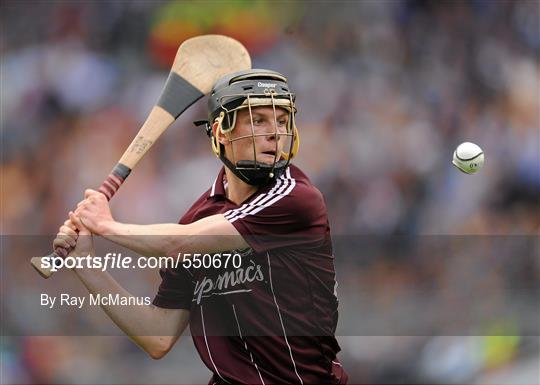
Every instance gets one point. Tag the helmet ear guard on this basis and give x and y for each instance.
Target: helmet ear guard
(295, 145)
(214, 137)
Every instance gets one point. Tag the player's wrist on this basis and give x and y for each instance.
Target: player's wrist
(108, 227)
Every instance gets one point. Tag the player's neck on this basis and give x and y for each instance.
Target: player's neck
(237, 190)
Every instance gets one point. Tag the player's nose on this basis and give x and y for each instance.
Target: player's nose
(272, 136)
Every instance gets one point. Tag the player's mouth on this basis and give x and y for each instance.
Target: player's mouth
(270, 156)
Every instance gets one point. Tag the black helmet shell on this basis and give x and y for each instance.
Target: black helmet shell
(231, 90)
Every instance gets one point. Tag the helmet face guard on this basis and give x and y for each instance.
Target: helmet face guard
(248, 90)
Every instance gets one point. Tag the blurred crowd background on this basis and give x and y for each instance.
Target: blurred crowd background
(385, 92)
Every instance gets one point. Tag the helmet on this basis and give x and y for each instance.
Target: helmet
(248, 89)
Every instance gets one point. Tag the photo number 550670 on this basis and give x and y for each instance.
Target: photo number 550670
(207, 261)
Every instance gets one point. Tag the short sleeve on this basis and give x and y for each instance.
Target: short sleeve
(175, 290)
(289, 214)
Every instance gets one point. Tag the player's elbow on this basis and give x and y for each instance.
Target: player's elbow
(157, 354)
(171, 249)
(159, 347)
(175, 244)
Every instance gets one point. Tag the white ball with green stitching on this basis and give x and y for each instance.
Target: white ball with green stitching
(468, 157)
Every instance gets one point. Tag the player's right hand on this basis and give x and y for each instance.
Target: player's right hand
(94, 211)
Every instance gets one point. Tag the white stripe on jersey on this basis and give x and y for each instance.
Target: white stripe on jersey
(234, 212)
(208, 348)
(261, 203)
(213, 187)
(280, 318)
(245, 345)
(278, 192)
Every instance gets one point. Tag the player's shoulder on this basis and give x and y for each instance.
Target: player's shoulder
(304, 187)
(298, 190)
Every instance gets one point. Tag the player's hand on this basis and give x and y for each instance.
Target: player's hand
(67, 236)
(85, 243)
(94, 212)
(72, 235)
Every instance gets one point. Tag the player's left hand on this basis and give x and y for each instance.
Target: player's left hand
(94, 211)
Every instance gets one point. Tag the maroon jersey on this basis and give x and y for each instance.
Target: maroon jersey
(273, 318)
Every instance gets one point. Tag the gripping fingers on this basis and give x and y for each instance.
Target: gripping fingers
(70, 224)
(89, 192)
(64, 241)
(68, 231)
(61, 243)
(67, 236)
(76, 220)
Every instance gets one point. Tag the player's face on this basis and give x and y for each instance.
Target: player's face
(268, 131)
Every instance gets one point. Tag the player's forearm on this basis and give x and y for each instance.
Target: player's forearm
(142, 323)
(148, 240)
(207, 235)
